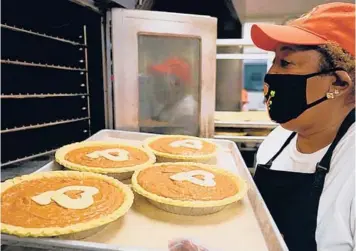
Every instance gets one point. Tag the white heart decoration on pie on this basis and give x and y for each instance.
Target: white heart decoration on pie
(189, 143)
(84, 201)
(43, 198)
(207, 181)
(122, 155)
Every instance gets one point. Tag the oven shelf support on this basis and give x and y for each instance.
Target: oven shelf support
(32, 64)
(29, 127)
(14, 28)
(41, 95)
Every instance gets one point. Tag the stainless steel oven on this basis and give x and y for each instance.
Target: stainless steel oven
(70, 72)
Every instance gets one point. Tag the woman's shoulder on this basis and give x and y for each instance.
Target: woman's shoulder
(348, 140)
(345, 149)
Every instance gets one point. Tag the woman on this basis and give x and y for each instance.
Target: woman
(306, 167)
(175, 106)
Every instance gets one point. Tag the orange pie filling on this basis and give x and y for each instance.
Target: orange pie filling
(159, 181)
(107, 156)
(187, 147)
(18, 207)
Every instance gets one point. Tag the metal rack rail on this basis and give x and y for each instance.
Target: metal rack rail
(14, 28)
(86, 73)
(41, 95)
(28, 157)
(59, 122)
(32, 64)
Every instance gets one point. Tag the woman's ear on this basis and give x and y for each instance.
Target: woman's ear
(343, 82)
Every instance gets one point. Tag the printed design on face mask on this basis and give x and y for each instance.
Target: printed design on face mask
(271, 95)
(269, 100)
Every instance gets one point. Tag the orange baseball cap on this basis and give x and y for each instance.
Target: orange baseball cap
(175, 66)
(331, 22)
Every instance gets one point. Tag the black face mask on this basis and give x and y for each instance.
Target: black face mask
(286, 95)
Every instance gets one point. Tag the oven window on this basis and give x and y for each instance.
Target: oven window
(169, 83)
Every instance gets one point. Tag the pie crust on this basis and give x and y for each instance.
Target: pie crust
(120, 172)
(166, 156)
(76, 230)
(191, 207)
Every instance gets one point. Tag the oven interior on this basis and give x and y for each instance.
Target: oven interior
(52, 78)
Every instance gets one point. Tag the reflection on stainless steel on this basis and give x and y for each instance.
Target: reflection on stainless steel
(28, 127)
(41, 95)
(168, 84)
(32, 64)
(14, 28)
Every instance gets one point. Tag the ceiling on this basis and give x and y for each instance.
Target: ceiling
(276, 9)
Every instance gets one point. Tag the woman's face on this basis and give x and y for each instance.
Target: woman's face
(167, 88)
(289, 60)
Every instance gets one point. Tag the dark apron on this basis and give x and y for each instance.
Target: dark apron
(293, 198)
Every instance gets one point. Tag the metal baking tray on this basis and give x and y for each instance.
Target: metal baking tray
(241, 139)
(250, 119)
(246, 225)
(245, 124)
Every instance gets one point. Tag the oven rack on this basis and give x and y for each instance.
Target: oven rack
(52, 66)
(28, 157)
(14, 28)
(41, 95)
(84, 94)
(40, 125)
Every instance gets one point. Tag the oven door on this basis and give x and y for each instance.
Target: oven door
(164, 67)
